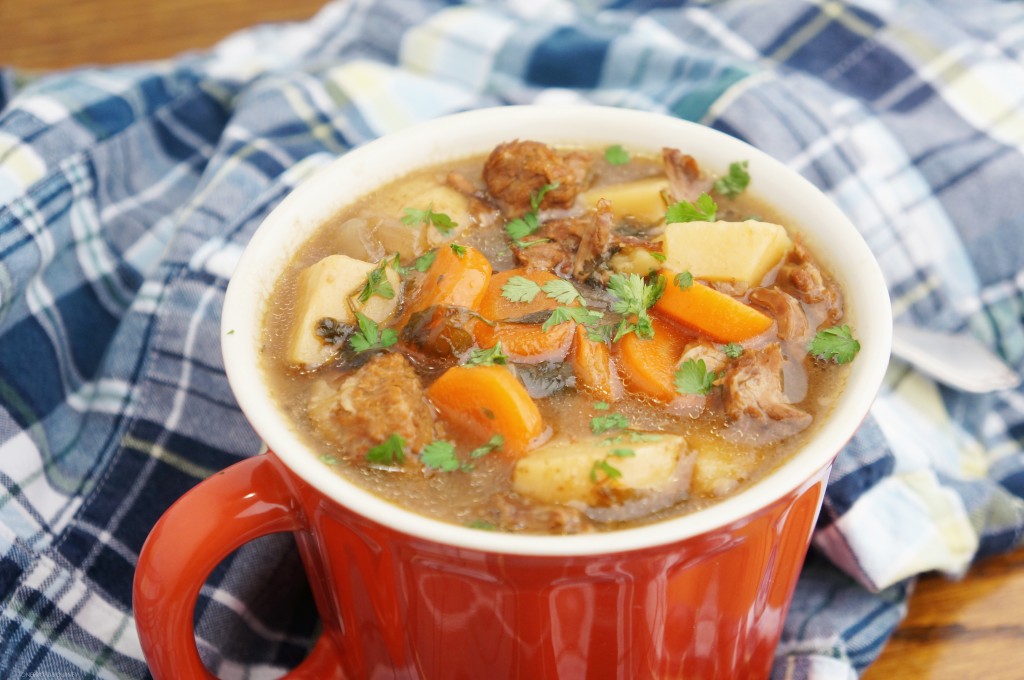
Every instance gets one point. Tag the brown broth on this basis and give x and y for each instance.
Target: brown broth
(467, 497)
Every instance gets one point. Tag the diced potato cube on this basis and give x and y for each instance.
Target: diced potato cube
(567, 471)
(720, 467)
(634, 260)
(725, 251)
(641, 199)
(328, 289)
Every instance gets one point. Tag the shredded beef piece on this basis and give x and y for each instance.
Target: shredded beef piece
(576, 245)
(514, 514)
(364, 408)
(714, 358)
(800, 276)
(685, 182)
(516, 170)
(754, 399)
(786, 310)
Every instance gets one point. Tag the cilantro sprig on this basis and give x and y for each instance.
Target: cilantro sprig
(581, 315)
(377, 284)
(735, 182)
(616, 155)
(420, 264)
(440, 455)
(835, 343)
(521, 227)
(606, 423)
(633, 297)
(605, 467)
(370, 336)
(488, 357)
(693, 377)
(441, 221)
(704, 209)
(389, 452)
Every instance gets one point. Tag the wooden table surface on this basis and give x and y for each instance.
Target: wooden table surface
(973, 628)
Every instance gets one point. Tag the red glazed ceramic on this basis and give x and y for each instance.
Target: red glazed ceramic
(404, 596)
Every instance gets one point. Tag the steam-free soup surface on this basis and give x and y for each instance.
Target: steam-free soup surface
(557, 340)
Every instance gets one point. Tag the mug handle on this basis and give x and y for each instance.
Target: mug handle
(232, 507)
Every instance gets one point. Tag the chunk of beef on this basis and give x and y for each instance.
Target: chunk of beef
(576, 245)
(365, 407)
(514, 514)
(753, 396)
(516, 170)
(800, 276)
(685, 180)
(714, 358)
(789, 316)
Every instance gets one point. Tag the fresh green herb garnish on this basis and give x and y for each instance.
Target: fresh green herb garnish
(633, 297)
(733, 350)
(493, 444)
(734, 183)
(834, 344)
(704, 209)
(420, 264)
(329, 459)
(660, 257)
(582, 315)
(693, 377)
(622, 453)
(522, 289)
(562, 292)
(482, 524)
(616, 155)
(389, 452)
(602, 333)
(377, 284)
(601, 406)
(603, 466)
(440, 455)
(369, 336)
(441, 221)
(612, 421)
(488, 357)
(458, 249)
(683, 280)
(521, 227)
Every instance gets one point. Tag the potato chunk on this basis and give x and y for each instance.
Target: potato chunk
(721, 467)
(330, 289)
(725, 251)
(586, 470)
(641, 199)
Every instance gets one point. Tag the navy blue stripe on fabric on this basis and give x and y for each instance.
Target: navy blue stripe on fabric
(568, 58)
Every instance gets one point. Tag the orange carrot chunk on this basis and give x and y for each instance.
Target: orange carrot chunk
(648, 367)
(522, 342)
(453, 280)
(478, 402)
(592, 364)
(721, 317)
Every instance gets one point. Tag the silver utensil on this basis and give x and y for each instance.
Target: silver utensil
(957, 360)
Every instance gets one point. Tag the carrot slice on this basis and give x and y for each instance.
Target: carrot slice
(720, 316)
(523, 342)
(648, 367)
(592, 364)
(453, 280)
(478, 402)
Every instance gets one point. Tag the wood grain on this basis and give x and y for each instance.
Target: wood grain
(973, 628)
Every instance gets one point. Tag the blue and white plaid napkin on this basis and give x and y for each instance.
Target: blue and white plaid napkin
(127, 193)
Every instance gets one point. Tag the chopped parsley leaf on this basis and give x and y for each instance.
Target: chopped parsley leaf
(616, 155)
(693, 377)
(440, 455)
(369, 336)
(601, 405)
(612, 421)
(520, 289)
(578, 314)
(834, 344)
(733, 350)
(391, 451)
(488, 357)
(633, 296)
(459, 250)
(441, 221)
(734, 183)
(521, 227)
(704, 209)
(683, 280)
(377, 284)
(493, 444)
(603, 466)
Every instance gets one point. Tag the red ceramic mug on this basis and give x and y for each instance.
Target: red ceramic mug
(404, 596)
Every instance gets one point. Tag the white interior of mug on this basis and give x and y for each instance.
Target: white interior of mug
(827, 232)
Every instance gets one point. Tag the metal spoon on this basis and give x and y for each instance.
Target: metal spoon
(957, 360)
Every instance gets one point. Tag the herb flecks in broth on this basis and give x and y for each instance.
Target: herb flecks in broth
(557, 340)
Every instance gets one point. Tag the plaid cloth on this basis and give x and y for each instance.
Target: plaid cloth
(127, 193)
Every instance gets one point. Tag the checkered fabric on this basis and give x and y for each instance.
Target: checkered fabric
(127, 193)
